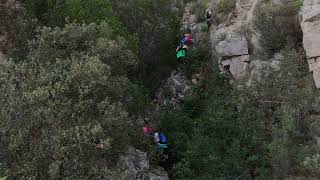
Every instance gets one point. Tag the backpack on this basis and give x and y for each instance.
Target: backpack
(182, 42)
(181, 54)
(163, 138)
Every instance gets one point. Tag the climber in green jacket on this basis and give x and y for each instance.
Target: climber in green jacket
(181, 54)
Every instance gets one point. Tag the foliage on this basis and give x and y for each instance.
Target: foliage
(16, 28)
(70, 93)
(278, 25)
(226, 6)
(197, 56)
(313, 163)
(57, 13)
(283, 99)
(157, 27)
(199, 9)
(209, 139)
(149, 27)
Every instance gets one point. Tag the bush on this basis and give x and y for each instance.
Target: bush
(208, 137)
(197, 56)
(157, 28)
(283, 101)
(70, 93)
(226, 6)
(278, 25)
(199, 9)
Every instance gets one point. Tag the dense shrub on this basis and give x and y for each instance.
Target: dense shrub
(283, 100)
(209, 138)
(157, 28)
(226, 6)
(151, 24)
(278, 25)
(16, 29)
(70, 92)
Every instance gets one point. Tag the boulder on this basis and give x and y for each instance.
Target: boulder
(158, 174)
(135, 166)
(238, 66)
(134, 160)
(179, 86)
(232, 45)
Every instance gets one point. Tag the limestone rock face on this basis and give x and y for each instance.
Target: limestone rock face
(310, 25)
(238, 66)
(232, 49)
(135, 166)
(189, 20)
(233, 45)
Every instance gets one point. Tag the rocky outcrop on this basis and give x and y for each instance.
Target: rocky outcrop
(177, 87)
(189, 21)
(135, 166)
(232, 51)
(310, 25)
(231, 44)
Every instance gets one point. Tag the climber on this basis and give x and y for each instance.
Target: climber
(208, 18)
(185, 40)
(181, 53)
(161, 140)
(188, 39)
(147, 129)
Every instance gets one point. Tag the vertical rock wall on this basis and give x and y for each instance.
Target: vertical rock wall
(230, 42)
(310, 25)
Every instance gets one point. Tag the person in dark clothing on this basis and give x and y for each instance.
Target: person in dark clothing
(208, 18)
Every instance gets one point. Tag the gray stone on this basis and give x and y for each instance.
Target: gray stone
(310, 26)
(135, 165)
(275, 65)
(239, 66)
(134, 160)
(158, 174)
(312, 64)
(316, 73)
(232, 45)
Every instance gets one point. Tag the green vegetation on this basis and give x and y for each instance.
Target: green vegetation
(284, 98)
(210, 138)
(87, 74)
(226, 6)
(278, 25)
(70, 92)
(151, 24)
